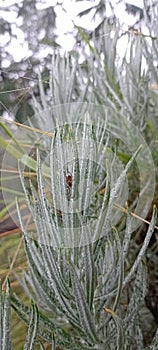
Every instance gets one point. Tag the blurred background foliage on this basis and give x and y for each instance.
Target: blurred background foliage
(36, 27)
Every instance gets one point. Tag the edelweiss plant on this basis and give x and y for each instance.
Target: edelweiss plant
(86, 275)
(77, 258)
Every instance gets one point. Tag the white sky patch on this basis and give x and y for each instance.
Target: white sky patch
(41, 34)
(7, 3)
(18, 33)
(19, 21)
(87, 21)
(138, 3)
(6, 63)
(4, 39)
(66, 41)
(45, 52)
(42, 5)
(18, 50)
(63, 21)
(9, 16)
(65, 28)
(73, 8)
(121, 13)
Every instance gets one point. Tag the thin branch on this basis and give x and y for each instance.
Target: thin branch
(133, 214)
(12, 263)
(27, 127)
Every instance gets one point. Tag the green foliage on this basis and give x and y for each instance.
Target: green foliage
(83, 295)
(5, 339)
(73, 286)
(5, 310)
(86, 273)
